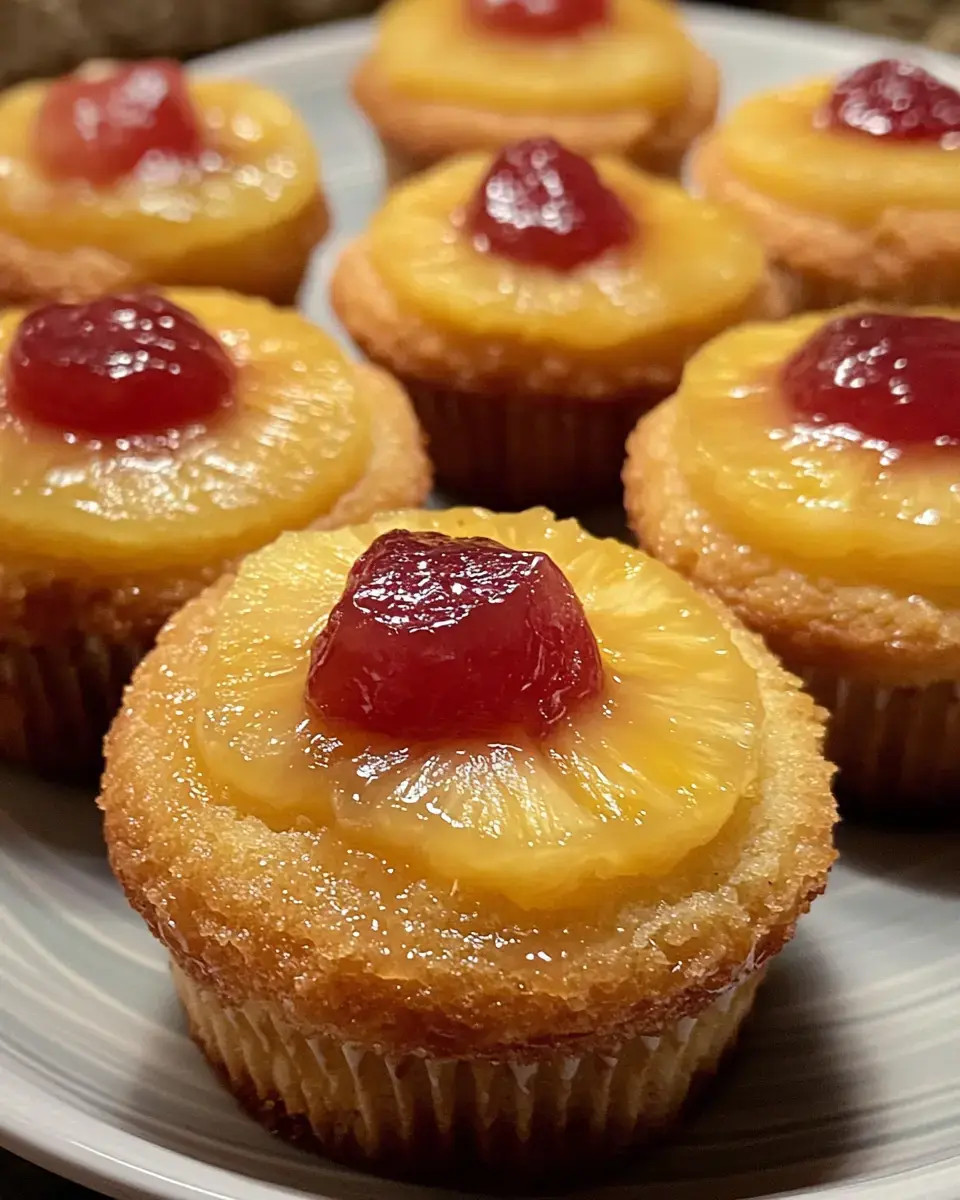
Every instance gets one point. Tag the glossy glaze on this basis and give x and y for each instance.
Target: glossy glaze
(104, 127)
(543, 205)
(891, 378)
(117, 366)
(537, 18)
(444, 637)
(895, 101)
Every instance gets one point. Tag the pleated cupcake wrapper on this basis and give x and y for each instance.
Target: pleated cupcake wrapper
(898, 749)
(418, 1115)
(510, 452)
(57, 701)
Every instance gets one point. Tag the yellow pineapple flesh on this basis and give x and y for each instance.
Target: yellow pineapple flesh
(773, 144)
(641, 59)
(629, 786)
(824, 504)
(693, 269)
(260, 170)
(295, 438)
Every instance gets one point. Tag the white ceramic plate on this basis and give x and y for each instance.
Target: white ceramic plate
(848, 1084)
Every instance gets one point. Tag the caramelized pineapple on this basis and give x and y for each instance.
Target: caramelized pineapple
(429, 49)
(628, 785)
(180, 222)
(689, 272)
(293, 439)
(776, 144)
(828, 498)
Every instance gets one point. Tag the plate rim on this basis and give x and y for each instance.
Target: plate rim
(83, 1148)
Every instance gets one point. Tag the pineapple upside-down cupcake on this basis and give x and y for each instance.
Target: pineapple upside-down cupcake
(620, 77)
(853, 185)
(469, 836)
(127, 173)
(535, 304)
(146, 442)
(807, 473)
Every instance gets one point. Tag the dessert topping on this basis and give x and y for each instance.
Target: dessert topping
(101, 129)
(438, 637)
(537, 18)
(890, 377)
(116, 366)
(895, 100)
(543, 205)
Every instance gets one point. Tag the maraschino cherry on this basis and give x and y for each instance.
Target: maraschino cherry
(895, 100)
(537, 18)
(889, 377)
(101, 129)
(445, 637)
(116, 367)
(545, 206)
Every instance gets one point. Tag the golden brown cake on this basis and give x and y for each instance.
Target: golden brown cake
(806, 473)
(470, 836)
(127, 173)
(853, 184)
(619, 77)
(535, 304)
(146, 442)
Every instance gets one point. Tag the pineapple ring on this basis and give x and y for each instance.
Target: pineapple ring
(629, 789)
(295, 439)
(771, 143)
(692, 269)
(260, 172)
(641, 59)
(827, 506)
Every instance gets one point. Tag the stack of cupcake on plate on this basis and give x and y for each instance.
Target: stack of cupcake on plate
(470, 835)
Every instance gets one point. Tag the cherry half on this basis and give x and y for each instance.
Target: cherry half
(537, 18)
(545, 206)
(895, 100)
(117, 366)
(444, 637)
(894, 378)
(101, 129)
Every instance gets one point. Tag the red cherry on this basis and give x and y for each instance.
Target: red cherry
(895, 100)
(102, 129)
(117, 366)
(537, 18)
(888, 377)
(543, 205)
(443, 637)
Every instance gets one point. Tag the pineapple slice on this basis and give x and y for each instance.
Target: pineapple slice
(693, 269)
(295, 439)
(627, 788)
(641, 59)
(260, 172)
(773, 144)
(823, 504)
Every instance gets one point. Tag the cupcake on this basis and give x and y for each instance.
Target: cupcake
(535, 304)
(806, 473)
(469, 836)
(853, 184)
(146, 442)
(127, 173)
(619, 77)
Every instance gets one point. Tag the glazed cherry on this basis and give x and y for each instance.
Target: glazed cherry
(117, 366)
(545, 206)
(889, 377)
(444, 637)
(537, 18)
(101, 129)
(895, 100)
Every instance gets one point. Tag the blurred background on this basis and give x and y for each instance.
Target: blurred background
(45, 37)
